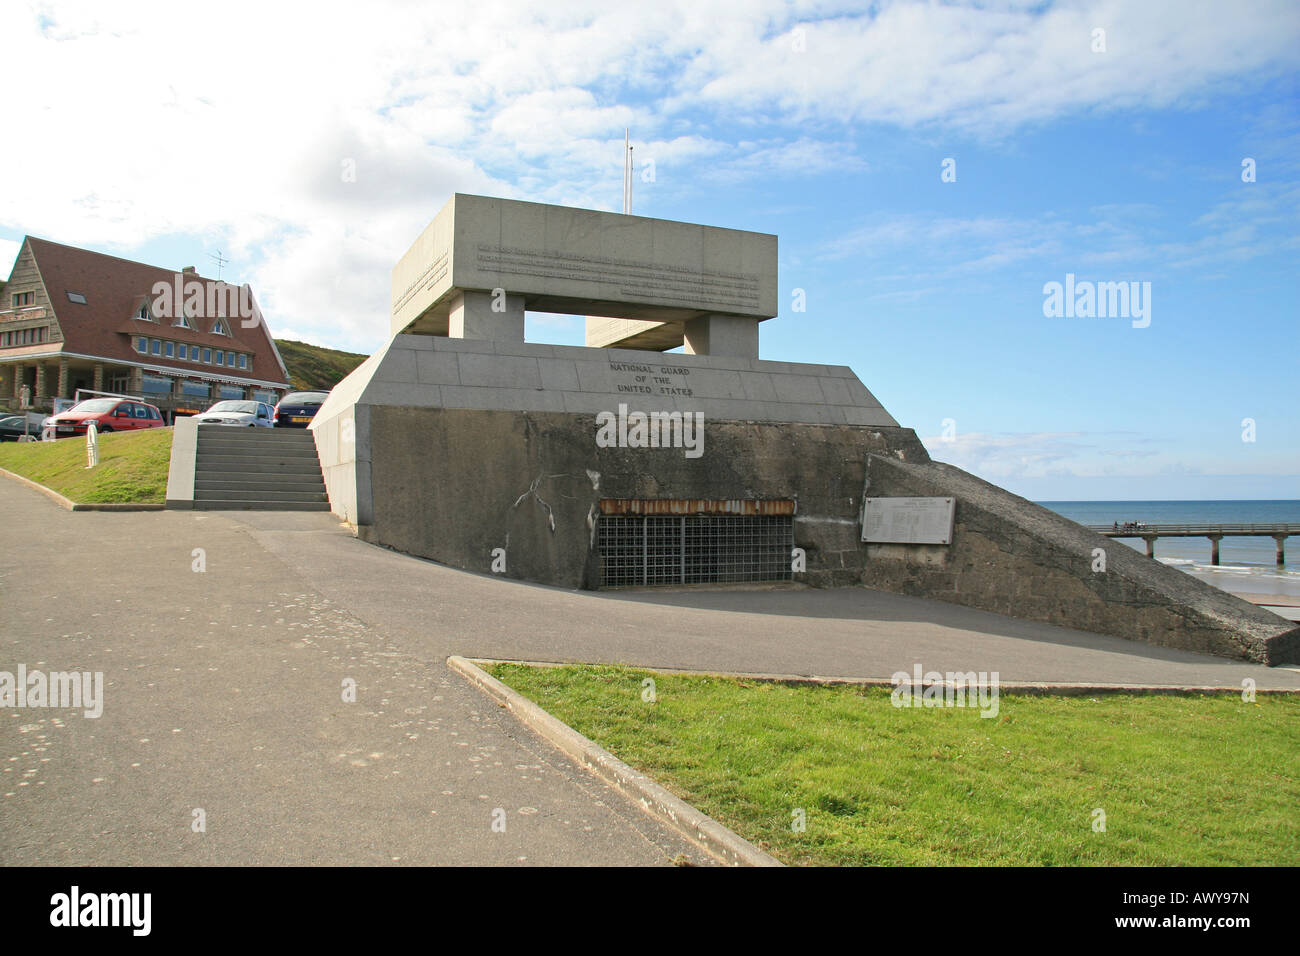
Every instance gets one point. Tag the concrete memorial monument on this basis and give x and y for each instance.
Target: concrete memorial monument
(614, 464)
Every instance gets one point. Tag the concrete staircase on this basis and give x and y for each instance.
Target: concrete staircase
(257, 469)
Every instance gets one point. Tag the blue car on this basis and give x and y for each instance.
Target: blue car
(297, 409)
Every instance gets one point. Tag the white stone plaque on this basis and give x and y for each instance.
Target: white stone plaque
(908, 520)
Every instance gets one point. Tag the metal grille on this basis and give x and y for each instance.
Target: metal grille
(641, 550)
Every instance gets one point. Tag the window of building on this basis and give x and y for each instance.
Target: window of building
(207, 356)
(142, 345)
(77, 297)
(219, 328)
(155, 384)
(243, 361)
(169, 349)
(230, 359)
(24, 298)
(197, 389)
(157, 347)
(183, 352)
(144, 313)
(218, 356)
(230, 392)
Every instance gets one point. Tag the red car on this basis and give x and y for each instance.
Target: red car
(109, 415)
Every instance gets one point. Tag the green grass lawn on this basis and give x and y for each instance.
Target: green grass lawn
(1204, 780)
(132, 466)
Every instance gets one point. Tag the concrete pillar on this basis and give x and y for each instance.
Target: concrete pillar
(20, 373)
(1214, 547)
(1151, 546)
(487, 316)
(40, 391)
(721, 335)
(137, 381)
(63, 379)
(1281, 549)
(99, 377)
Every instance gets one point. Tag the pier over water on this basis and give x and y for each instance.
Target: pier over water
(1215, 532)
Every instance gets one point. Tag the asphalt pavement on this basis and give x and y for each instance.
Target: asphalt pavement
(224, 689)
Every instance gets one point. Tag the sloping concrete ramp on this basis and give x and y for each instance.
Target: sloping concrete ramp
(1014, 557)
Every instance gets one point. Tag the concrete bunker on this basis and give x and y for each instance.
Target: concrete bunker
(460, 442)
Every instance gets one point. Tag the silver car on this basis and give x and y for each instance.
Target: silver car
(245, 413)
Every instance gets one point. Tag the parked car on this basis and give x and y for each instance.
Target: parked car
(13, 427)
(109, 415)
(239, 413)
(297, 409)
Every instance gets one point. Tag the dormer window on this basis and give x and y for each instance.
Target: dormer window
(219, 328)
(76, 297)
(144, 314)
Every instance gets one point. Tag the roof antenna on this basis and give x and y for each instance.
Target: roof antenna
(627, 174)
(221, 262)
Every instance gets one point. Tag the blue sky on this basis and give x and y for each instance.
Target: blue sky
(167, 134)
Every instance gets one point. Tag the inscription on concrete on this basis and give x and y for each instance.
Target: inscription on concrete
(700, 287)
(908, 520)
(652, 379)
(425, 281)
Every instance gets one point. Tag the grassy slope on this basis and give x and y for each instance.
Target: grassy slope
(1182, 780)
(132, 466)
(314, 367)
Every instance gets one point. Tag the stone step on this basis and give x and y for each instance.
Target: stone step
(260, 505)
(258, 434)
(209, 464)
(234, 481)
(232, 447)
(259, 494)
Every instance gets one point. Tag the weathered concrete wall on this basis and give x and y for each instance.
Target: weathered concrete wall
(1014, 557)
(453, 484)
(449, 448)
(342, 431)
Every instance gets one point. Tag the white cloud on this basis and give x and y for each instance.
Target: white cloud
(1001, 456)
(8, 253)
(157, 119)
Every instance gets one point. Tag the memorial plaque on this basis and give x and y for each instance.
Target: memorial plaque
(908, 520)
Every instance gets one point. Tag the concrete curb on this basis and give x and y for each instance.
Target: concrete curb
(703, 831)
(68, 505)
(1037, 688)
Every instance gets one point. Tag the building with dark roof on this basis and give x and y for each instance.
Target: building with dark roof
(74, 319)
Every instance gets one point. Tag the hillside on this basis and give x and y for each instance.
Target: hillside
(316, 367)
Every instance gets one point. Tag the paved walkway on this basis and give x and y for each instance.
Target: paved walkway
(223, 689)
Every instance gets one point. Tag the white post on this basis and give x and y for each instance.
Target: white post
(92, 445)
(627, 172)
